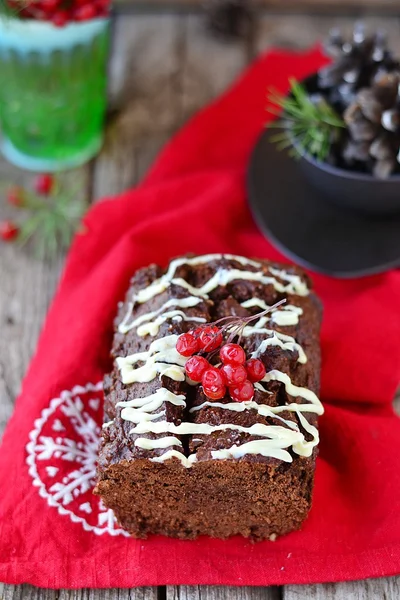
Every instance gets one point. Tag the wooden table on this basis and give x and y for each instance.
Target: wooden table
(163, 68)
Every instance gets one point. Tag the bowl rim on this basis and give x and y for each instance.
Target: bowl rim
(332, 169)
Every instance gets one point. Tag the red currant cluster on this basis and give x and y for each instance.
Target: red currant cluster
(236, 374)
(60, 12)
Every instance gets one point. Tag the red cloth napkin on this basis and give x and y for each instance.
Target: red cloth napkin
(53, 532)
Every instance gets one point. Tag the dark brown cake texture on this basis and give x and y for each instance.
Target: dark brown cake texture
(173, 462)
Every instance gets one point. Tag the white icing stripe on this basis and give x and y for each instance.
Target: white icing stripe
(163, 442)
(294, 390)
(161, 357)
(108, 424)
(222, 277)
(142, 409)
(276, 340)
(263, 447)
(176, 315)
(286, 342)
(284, 316)
(186, 462)
(125, 326)
(294, 280)
(139, 416)
(262, 409)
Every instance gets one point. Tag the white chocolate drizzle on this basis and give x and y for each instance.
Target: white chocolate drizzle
(152, 327)
(162, 359)
(278, 339)
(186, 461)
(142, 409)
(284, 316)
(286, 342)
(164, 442)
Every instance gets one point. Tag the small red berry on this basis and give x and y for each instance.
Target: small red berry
(213, 384)
(60, 18)
(187, 344)
(232, 354)
(85, 12)
(210, 338)
(195, 368)
(15, 196)
(234, 375)
(255, 369)
(44, 184)
(242, 392)
(8, 231)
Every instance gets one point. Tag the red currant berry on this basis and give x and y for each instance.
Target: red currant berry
(8, 231)
(255, 369)
(234, 374)
(44, 184)
(213, 384)
(232, 354)
(187, 344)
(195, 368)
(15, 196)
(242, 392)
(85, 12)
(210, 338)
(60, 18)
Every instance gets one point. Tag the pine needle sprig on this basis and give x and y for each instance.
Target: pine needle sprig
(51, 221)
(308, 124)
(12, 11)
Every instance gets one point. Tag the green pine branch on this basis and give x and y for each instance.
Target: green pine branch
(307, 126)
(51, 221)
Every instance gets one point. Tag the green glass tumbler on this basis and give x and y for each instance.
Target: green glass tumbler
(52, 92)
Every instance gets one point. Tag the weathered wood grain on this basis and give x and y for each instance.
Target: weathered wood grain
(221, 593)
(27, 592)
(209, 66)
(144, 88)
(145, 593)
(27, 286)
(370, 589)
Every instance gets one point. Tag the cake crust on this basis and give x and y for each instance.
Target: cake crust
(174, 463)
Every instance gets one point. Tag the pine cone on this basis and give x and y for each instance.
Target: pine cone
(356, 63)
(362, 83)
(373, 123)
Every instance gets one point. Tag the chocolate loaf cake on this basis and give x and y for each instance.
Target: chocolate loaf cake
(174, 462)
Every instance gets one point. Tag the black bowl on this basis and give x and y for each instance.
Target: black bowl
(353, 190)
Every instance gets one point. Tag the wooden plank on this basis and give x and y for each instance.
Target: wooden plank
(145, 593)
(144, 73)
(27, 287)
(209, 65)
(26, 592)
(222, 593)
(369, 589)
